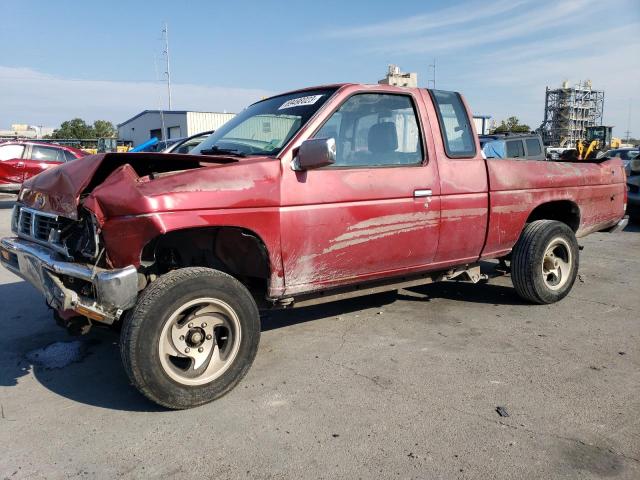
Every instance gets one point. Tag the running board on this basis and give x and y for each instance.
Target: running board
(469, 273)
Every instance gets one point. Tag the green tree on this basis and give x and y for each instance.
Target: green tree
(104, 129)
(75, 128)
(78, 128)
(512, 124)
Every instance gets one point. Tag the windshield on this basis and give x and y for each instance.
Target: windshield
(264, 128)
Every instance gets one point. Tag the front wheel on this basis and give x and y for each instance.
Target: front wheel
(544, 262)
(191, 337)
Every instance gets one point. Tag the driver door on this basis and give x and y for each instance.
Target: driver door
(375, 212)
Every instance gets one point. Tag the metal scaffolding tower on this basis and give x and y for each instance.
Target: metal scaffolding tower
(568, 111)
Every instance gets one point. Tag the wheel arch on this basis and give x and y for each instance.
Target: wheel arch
(565, 211)
(238, 251)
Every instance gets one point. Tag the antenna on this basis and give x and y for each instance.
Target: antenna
(162, 130)
(165, 37)
(629, 121)
(433, 78)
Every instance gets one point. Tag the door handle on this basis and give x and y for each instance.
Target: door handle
(425, 192)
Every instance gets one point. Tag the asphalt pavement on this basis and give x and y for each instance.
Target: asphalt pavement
(396, 385)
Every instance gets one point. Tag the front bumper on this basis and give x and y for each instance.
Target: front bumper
(10, 187)
(113, 290)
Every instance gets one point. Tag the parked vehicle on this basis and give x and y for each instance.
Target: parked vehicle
(625, 154)
(310, 196)
(555, 153)
(513, 145)
(185, 145)
(633, 184)
(22, 160)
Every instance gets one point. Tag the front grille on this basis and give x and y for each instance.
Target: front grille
(39, 225)
(72, 238)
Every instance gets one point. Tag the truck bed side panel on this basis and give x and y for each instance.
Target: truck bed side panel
(518, 187)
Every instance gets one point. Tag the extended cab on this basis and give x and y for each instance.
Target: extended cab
(310, 196)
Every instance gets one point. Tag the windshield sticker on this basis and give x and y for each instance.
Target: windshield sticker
(301, 101)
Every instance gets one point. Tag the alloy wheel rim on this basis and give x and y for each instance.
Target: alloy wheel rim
(557, 263)
(199, 341)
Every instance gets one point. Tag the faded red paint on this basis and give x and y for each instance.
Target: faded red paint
(329, 227)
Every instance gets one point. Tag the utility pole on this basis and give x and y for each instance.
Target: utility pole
(432, 66)
(165, 36)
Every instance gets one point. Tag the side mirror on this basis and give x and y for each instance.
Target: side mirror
(634, 166)
(315, 153)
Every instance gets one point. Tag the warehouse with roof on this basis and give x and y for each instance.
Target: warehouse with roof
(166, 124)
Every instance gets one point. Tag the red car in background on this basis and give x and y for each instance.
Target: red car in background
(22, 160)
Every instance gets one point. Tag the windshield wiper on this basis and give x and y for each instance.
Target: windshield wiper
(215, 150)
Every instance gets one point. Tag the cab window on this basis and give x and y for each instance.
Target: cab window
(533, 147)
(47, 154)
(457, 133)
(515, 149)
(375, 130)
(8, 152)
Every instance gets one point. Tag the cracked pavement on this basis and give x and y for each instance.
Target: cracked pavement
(396, 385)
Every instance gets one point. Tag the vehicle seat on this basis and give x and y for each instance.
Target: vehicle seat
(382, 142)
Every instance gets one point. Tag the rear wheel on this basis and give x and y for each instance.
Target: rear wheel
(191, 337)
(545, 261)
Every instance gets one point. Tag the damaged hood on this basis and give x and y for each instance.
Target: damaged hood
(57, 190)
(117, 184)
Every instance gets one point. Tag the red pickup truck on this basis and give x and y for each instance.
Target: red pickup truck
(314, 195)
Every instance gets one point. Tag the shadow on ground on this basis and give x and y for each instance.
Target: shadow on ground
(99, 379)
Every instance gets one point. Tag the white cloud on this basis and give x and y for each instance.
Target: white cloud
(503, 56)
(36, 98)
(474, 11)
(540, 20)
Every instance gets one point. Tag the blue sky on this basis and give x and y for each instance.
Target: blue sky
(97, 60)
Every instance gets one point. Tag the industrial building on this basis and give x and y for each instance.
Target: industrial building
(166, 124)
(399, 79)
(568, 111)
(20, 130)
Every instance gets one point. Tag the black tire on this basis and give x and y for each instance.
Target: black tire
(144, 324)
(529, 254)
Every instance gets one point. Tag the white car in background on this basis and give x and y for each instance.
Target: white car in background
(185, 145)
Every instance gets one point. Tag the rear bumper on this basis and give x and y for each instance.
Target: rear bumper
(113, 290)
(621, 225)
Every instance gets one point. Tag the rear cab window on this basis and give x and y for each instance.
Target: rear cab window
(457, 134)
(515, 149)
(533, 147)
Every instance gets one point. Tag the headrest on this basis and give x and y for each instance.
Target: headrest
(383, 138)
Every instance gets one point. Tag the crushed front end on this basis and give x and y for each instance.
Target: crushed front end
(63, 258)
